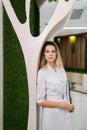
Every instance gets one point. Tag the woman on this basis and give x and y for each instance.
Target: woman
(52, 92)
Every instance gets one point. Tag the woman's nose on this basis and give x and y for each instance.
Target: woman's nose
(50, 53)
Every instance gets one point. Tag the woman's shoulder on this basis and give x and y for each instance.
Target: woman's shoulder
(62, 69)
(63, 73)
(42, 71)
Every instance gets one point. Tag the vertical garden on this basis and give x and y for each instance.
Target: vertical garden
(15, 85)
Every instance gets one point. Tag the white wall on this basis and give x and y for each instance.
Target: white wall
(85, 81)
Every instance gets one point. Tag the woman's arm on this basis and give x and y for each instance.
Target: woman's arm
(41, 93)
(52, 104)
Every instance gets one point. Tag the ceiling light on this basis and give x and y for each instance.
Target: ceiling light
(75, 27)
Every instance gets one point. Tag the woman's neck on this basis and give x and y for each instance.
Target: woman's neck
(52, 65)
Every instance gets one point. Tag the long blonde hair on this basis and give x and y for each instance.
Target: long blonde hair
(58, 61)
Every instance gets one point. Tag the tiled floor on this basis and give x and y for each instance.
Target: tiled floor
(79, 117)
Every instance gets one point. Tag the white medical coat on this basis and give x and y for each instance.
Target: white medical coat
(51, 85)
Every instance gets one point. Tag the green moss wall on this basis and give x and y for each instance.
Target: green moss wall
(15, 85)
(34, 18)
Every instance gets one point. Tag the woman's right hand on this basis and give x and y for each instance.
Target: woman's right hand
(68, 106)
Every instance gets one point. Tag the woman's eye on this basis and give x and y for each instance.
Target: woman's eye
(46, 51)
(54, 51)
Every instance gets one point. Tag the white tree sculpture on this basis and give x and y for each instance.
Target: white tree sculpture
(31, 49)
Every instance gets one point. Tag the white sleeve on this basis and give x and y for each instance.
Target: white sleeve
(64, 76)
(40, 95)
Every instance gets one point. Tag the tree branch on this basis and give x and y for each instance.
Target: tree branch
(11, 14)
(27, 6)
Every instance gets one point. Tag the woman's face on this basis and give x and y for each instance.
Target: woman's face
(50, 53)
